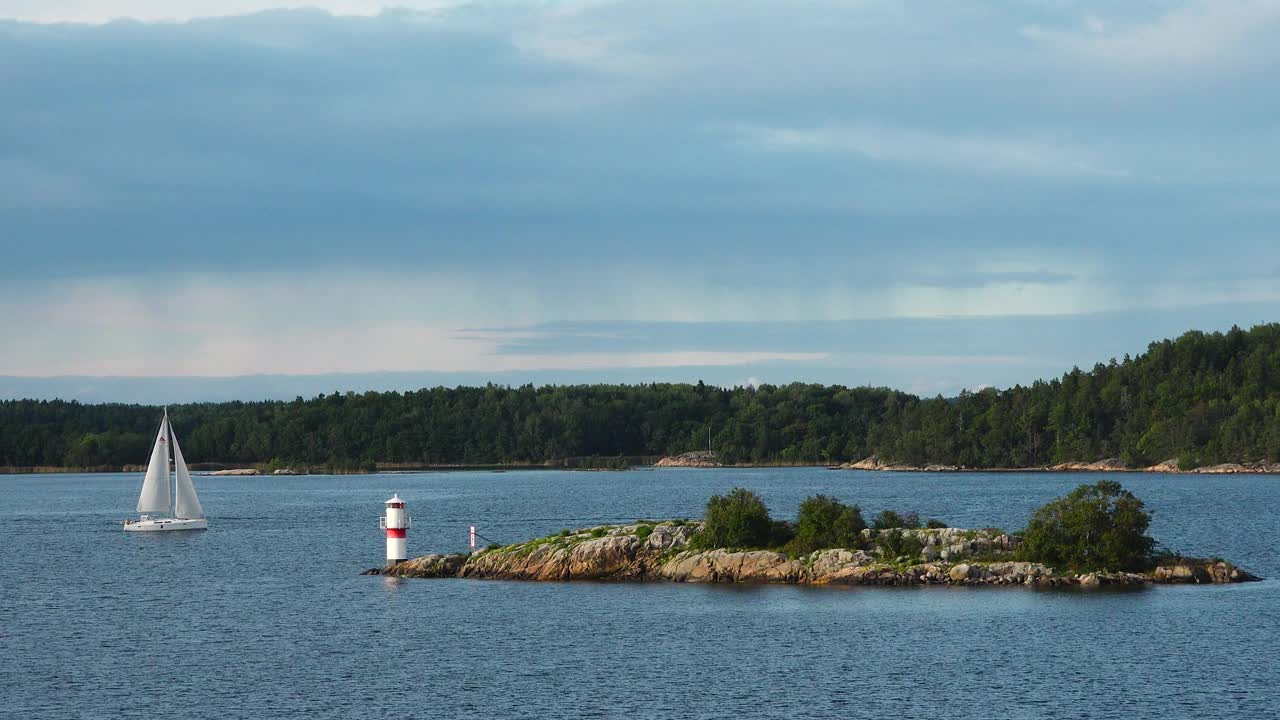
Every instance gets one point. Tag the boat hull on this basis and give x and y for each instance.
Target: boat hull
(166, 524)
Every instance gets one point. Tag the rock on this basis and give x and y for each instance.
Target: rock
(427, 566)
(1016, 572)
(691, 567)
(1223, 469)
(1089, 580)
(1200, 571)
(1168, 466)
(286, 471)
(697, 458)
(669, 535)
(764, 566)
(833, 566)
(1225, 572)
(1107, 465)
(240, 471)
(875, 463)
(572, 558)
(1173, 573)
(732, 567)
(868, 463)
(604, 557)
(959, 573)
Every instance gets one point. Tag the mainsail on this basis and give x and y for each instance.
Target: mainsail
(185, 503)
(155, 486)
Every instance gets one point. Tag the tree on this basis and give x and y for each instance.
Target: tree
(738, 520)
(890, 519)
(1095, 527)
(824, 522)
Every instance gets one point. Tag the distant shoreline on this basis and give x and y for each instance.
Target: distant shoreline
(254, 470)
(259, 470)
(709, 459)
(1108, 465)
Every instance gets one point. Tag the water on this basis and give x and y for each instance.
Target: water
(265, 615)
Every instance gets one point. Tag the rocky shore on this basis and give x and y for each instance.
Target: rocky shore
(662, 552)
(1104, 465)
(698, 458)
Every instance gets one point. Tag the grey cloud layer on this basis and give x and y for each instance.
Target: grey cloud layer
(745, 134)
(578, 167)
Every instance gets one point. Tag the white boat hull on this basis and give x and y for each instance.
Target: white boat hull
(165, 524)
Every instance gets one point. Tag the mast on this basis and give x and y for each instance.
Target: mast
(168, 475)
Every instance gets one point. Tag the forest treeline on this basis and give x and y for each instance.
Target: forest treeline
(1202, 398)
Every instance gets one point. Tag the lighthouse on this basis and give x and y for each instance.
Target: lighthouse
(396, 524)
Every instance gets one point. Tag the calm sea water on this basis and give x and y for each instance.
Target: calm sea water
(265, 615)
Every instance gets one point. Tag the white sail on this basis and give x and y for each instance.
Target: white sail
(185, 502)
(155, 486)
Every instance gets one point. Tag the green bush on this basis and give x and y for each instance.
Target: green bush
(893, 544)
(643, 532)
(824, 522)
(599, 532)
(739, 519)
(935, 524)
(781, 533)
(889, 519)
(1095, 527)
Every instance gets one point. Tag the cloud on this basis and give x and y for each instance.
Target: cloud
(216, 326)
(1194, 33)
(203, 327)
(101, 11)
(1004, 155)
(498, 320)
(979, 278)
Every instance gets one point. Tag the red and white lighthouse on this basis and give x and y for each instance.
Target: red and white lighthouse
(396, 523)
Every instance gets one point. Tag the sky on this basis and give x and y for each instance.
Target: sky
(224, 199)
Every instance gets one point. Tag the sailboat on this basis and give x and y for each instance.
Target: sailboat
(173, 499)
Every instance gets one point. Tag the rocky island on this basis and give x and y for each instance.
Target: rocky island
(829, 544)
(662, 552)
